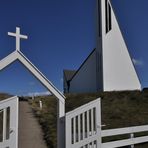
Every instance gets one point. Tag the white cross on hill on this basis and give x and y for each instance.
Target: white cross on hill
(18, 37)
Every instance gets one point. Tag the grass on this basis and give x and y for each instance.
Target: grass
(4, 96)
(119, 109)
(47, 118)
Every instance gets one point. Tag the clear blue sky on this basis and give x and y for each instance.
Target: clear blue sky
(61, 35)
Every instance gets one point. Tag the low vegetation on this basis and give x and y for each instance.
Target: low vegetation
(119, 109)
(4, 96)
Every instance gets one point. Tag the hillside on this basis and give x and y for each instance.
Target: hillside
(4, 96)
(119, 109)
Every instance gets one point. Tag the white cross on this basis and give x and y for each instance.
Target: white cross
(18, 37)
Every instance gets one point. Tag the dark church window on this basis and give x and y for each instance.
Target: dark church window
(99, 15)
(108, 16)
(68, 85)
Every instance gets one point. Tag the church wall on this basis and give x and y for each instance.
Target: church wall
(85, 78)
(118, 70)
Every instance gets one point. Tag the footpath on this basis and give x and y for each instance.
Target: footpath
(30, 133)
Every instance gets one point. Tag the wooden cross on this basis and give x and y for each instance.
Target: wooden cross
(18, 37)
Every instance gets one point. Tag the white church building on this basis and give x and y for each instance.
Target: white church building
(109, 66)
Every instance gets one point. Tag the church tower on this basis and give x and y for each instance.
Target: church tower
(116, 71)
(109, 67)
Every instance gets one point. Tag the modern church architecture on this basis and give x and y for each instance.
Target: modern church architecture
(109, 67)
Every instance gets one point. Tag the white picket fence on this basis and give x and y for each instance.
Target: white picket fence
(9, 123)
(125, 142)
(84, 130)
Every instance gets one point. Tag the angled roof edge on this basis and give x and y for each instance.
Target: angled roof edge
(83, 63)
(125, 41)
(8, 60)
(68, 74)
(18, 55)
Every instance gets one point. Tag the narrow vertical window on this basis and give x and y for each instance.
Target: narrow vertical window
(99, 15)
(108, 17)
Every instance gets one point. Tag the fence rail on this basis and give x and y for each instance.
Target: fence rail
(81, 126)
(83, 130)
(122, 131)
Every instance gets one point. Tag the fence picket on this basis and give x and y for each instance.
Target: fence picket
(92, 121)
(4, 123)
(83, 126)
(79, 128)
(88, 124)
(74, 130)
(83, 122)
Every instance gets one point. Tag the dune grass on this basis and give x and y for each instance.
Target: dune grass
(119, 109)
(4, 96)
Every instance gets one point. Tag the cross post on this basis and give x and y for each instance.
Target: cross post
(18, 37)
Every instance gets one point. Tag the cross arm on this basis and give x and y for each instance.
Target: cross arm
(11, 34)
(21, 36)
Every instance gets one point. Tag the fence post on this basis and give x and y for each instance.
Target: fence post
(61, 124)
(41, 105)
(99, 127)
(32, 97)
(4, 123)
(132, 136)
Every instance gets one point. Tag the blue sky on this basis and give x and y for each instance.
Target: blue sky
(61, 35)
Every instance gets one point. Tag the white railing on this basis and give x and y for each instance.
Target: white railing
(82, 129)
(123, 131)
(9, 122)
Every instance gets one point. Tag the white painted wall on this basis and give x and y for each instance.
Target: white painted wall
(85, 79)
(110, 67)
(118, 70)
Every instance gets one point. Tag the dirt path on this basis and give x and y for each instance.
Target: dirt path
(30, 133)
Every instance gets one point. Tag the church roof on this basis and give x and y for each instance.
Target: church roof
(69, 74)
(76, 72)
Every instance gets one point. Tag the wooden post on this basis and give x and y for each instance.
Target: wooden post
(41, 105)
(4, 123)
(61, 124)
(132, 136)
(32, 97)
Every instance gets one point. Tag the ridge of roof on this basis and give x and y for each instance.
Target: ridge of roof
(68, 74)
(83, 64)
